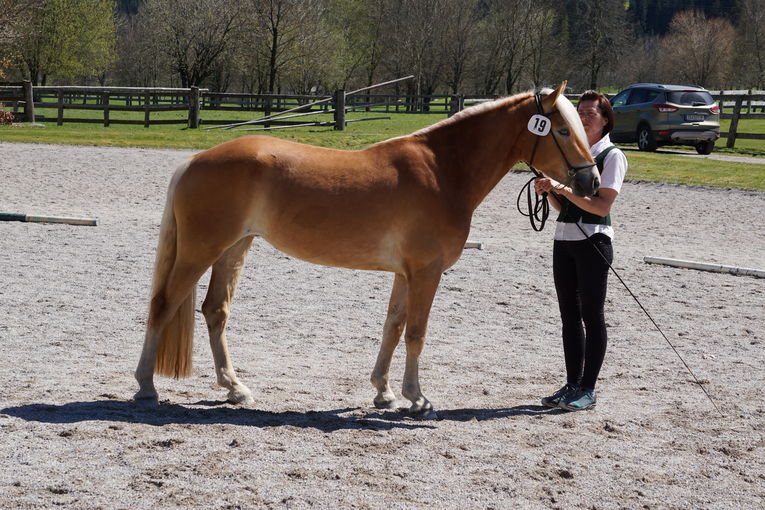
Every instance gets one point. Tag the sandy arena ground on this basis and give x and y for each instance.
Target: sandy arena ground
(304, 338)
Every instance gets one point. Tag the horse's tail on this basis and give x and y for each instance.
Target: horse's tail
(176, 342)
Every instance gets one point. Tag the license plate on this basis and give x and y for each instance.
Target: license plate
(695, 118)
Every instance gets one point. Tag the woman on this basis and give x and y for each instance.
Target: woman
(581, 265)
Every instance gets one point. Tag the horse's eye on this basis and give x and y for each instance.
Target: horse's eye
(564, 132)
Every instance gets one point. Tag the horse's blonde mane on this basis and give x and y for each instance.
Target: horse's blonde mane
(475, 110)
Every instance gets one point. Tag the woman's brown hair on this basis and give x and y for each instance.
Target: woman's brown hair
(604, 105)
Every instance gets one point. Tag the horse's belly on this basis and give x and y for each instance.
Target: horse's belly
(353, 251)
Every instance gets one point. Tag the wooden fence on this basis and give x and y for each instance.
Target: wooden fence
(70, 103)
(19, 94)
(735, 105)
(744, 105)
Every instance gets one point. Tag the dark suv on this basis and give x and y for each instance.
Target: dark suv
(653, 115)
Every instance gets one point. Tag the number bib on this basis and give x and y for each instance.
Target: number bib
(539, 125)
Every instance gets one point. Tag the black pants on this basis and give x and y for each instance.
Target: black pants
(581, 281)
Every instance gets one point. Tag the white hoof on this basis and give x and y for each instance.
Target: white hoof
(240, 396)
(422, 411)
(385, 400)
(385, 404)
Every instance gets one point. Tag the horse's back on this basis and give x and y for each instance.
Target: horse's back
(359, 209)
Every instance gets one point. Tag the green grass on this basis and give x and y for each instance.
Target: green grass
(660, 167)
(356, 136)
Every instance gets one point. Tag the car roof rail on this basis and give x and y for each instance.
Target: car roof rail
(664, 86)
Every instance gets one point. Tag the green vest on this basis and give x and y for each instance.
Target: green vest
(570, 213)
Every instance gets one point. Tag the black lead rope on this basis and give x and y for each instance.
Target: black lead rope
(539, 213)
(540, 210)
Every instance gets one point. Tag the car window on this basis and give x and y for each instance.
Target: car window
(620, 99)
(640, 96)
(690, 97)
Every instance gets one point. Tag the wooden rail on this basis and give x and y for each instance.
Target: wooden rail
(19, 94)
(121, 99)
(735, 105)
(744, 105)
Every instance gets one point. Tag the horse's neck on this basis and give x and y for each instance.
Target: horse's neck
(476, 153)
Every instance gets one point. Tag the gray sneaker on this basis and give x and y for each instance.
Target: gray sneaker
(555, 399)
(578, 400)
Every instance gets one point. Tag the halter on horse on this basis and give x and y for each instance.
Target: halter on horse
(540, 210)
(403, 205)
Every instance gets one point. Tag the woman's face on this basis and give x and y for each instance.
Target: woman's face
(593, 120)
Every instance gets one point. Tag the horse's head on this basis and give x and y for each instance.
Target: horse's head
(559, 147)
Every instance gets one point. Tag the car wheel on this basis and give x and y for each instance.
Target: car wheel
(705, 147)
(645, 139)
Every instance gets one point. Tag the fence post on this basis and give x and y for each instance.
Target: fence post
(60, 116)
(267, 108)
(106, 109)
(194, 107)
(146, 106)
(29, 100)
(339, 104)
(456, 104)
(734, 122)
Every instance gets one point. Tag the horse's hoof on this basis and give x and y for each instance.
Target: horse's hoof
(422, 412)
(146, 397)
(240, 397)
(385, 404)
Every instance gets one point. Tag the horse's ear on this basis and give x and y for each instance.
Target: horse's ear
(550, 99)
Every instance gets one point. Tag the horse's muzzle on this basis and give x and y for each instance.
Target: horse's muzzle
(586, 182)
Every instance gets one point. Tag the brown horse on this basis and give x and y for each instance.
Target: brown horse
(403, 205)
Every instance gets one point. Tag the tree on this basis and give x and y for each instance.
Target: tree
(541, 24)
(284, 33)
(752, 37)
(358, 28)
(195, 35)
(642, 66)
(14, 15)
(414, 43)
(597, 30)
(67, 39)
(652, 17)
(505, 35)
(460, 43)
(698, 50)
(142, 59)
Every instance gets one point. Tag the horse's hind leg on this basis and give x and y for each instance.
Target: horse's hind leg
(394, 326)
(216, 309)
(176, 292)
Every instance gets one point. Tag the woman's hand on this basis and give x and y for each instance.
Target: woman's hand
(544, 185)
(599, 204)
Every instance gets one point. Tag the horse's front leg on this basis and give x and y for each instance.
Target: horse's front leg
(422, 290)
(394, 326)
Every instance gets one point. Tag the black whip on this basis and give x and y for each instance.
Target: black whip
(539, 213)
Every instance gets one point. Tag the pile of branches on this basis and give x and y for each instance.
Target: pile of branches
(6, 117)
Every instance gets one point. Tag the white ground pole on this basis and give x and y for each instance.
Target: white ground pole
(715, 268)
(90, 222)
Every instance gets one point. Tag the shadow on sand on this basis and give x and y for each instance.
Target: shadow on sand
(218, 412)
